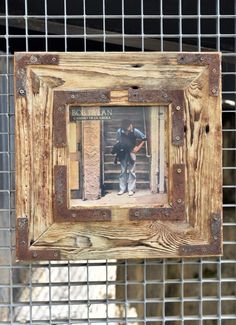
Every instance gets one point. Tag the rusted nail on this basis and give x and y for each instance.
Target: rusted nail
(177, 138)
(179, 170)
(179, 200)
(35, 254)
(177, 108)
(33, 59)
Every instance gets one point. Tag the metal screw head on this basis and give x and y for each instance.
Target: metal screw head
(214, 70)
(136, 214)
(60, 109)
(33, 59)
(179, 170)
(23, 242)
(177, 108)
(177, 138)
(104, 215)
(213, 90)
(72, 96)
(202, 58)
(53, 59)
(179, 201)
(103, 96)
(55, 254)
(35, 254)
(22, 91)
(165, 95)
(215, 237)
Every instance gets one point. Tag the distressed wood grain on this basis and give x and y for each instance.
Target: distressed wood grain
(36, 156)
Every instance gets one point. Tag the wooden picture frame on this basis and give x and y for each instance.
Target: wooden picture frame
(186, 85)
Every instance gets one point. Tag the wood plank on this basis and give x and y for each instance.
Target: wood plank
(74, 175)
(72, 137)
(154, 135)
(162, 134)
(100, 240)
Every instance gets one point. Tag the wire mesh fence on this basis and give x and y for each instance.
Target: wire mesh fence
(180, 291)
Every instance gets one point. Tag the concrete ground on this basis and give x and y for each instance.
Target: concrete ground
(140, 197)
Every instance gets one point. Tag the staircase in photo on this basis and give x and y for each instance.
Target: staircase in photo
(112, 170)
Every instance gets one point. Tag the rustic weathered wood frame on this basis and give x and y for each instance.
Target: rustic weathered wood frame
(188, 84)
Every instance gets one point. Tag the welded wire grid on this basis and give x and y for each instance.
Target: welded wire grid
(189, 291)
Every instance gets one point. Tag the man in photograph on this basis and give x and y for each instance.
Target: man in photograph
(126, 149)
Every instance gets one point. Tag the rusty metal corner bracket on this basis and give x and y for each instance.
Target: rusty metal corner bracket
(22, 60)
(25, 252)
(212, 60)
(173, 97)
(62, 98)
(60, 207)
(174, 213)
(214, 247)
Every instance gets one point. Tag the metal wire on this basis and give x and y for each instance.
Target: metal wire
(175, 291)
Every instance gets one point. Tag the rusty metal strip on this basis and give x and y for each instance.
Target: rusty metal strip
(173, 97)
(177, 209)
(25, 252)
(59, 124)
(63, 98)
(212, 60)
(215, 245)
(62, 212)
(177, 116)
(143, 95)
(22, 60)
(178, 191)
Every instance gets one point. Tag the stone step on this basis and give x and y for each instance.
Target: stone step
(114, 185)
(109, 158)
(111, 135)
(113, 167)
(108, 149)
(113, 176)
(111, 142)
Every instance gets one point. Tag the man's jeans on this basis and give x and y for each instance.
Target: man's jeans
(127, 174)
